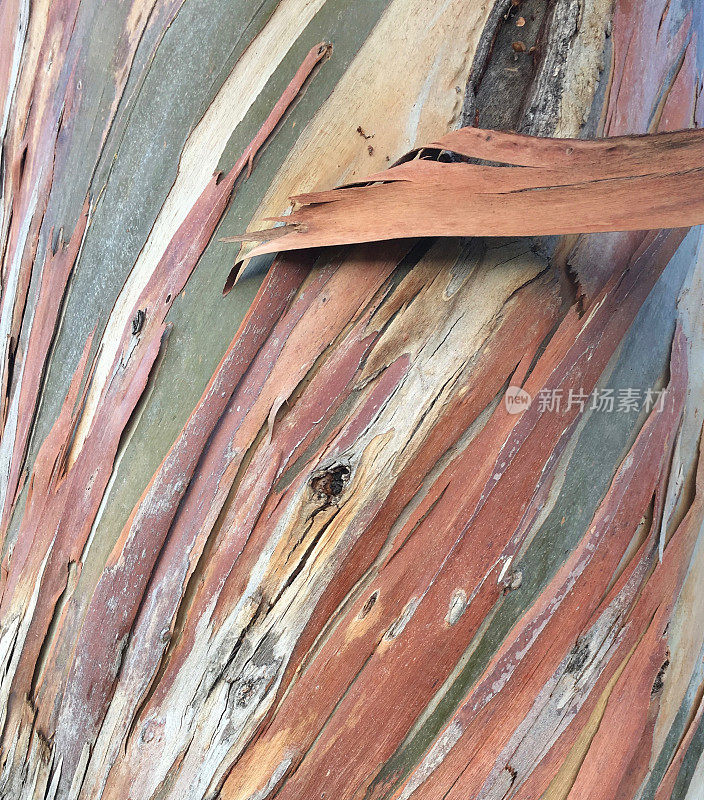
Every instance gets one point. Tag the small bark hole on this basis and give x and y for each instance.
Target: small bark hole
(369, 605)
(329, 484)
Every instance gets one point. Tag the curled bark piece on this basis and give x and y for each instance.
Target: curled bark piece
(534, 187)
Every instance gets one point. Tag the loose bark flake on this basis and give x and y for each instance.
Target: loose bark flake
(544, 186)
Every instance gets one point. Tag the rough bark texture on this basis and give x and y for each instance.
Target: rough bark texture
(300, 548)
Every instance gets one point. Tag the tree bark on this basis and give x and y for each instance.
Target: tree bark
(295, 541)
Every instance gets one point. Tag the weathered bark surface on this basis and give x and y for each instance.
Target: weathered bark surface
(301, 549)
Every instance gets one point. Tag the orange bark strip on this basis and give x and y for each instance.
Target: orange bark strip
(541, 187)
(316, 54)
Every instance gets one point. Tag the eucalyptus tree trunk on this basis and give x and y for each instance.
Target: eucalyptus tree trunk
(416, 519)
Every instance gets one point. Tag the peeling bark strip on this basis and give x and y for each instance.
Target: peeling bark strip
(294, 542)
(553, 186)
(571, 677)
(471, 522)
